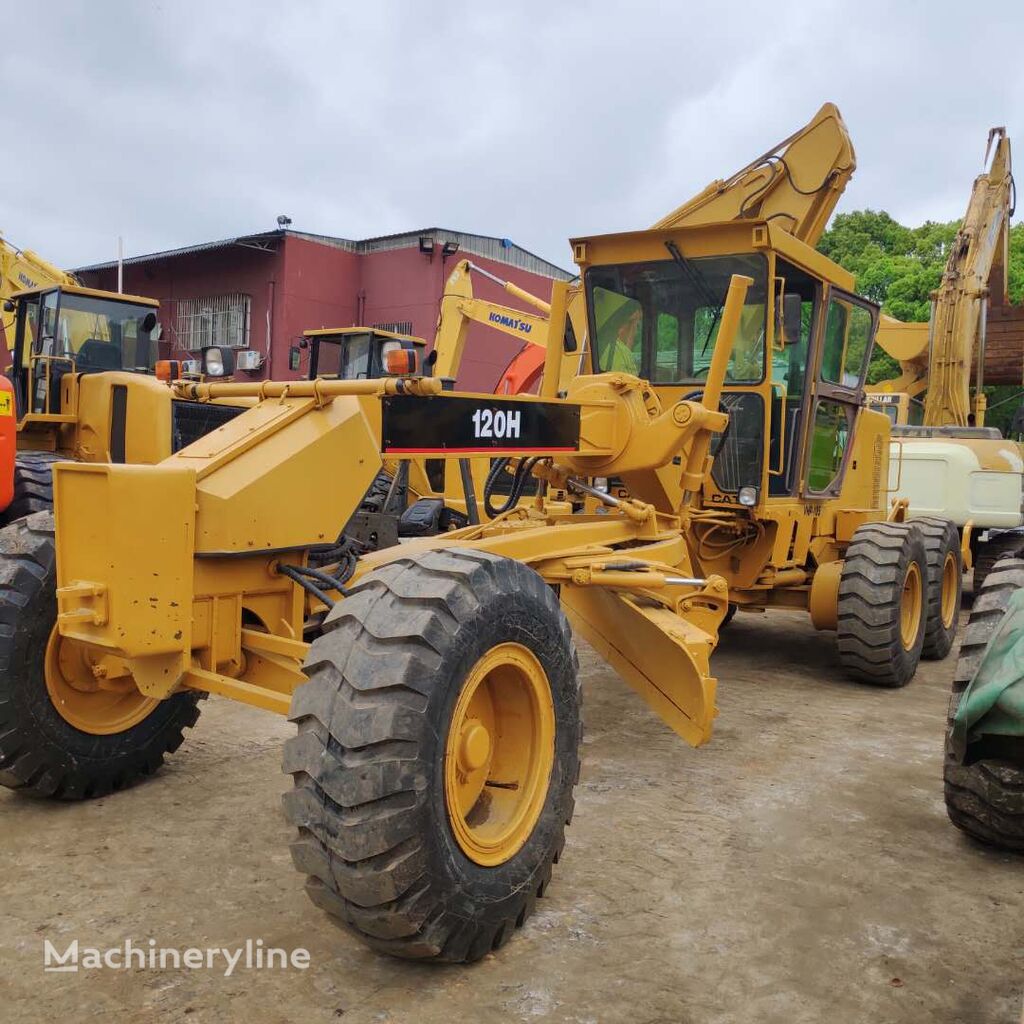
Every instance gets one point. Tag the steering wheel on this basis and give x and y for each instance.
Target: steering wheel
(719, 440)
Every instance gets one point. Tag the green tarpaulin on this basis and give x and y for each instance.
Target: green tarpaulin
(993, 703)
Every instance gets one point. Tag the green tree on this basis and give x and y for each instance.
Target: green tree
(898, 267)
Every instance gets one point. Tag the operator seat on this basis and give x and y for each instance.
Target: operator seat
(98, 355)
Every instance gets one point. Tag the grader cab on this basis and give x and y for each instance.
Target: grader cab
(794, 510)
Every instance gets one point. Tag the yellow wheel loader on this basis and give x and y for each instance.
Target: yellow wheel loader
(83, 387)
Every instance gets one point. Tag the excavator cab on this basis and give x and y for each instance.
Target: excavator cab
(68, 329)
(362, 353)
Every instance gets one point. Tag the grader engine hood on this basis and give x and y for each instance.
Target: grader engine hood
(133, 539)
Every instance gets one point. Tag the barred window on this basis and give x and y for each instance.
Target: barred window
(395, 327)
(215, 320)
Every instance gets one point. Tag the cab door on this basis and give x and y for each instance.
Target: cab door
(847, 337)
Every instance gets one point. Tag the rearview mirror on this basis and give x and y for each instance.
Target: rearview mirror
(792, 318)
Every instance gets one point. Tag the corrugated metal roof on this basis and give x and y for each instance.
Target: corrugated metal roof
(502, 250)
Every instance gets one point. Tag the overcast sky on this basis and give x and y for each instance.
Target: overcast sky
(178, 122)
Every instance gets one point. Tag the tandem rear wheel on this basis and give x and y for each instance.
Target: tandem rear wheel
(883, 604)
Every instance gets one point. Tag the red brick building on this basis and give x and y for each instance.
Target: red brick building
(262, 291)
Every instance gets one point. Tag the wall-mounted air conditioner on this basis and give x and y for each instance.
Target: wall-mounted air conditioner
(248, 359)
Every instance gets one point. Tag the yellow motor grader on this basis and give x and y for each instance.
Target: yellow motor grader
(437, 705)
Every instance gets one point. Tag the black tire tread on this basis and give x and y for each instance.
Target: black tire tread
(985, 799)
(359, 787)
(940, 537)
(30, 760)
(33, 484)
(990, 552)
(870, 590)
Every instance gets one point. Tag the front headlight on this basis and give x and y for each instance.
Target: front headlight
(218, 361)
(747, 496)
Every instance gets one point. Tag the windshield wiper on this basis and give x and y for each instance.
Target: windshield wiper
(699, 282)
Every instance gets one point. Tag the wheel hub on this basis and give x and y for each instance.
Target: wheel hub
(910, 606)
(499, 754)
(91, 690)
(950, 579)
(474, 746)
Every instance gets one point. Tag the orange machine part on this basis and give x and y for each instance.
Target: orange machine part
(8, 441)
(522, 376)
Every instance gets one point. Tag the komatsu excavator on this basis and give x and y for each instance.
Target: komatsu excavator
(434, 685)
(24, 270)
(951, 465)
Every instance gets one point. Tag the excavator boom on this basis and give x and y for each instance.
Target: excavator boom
(961, 301)
(21, 269)
(797, 183)
(938, 357)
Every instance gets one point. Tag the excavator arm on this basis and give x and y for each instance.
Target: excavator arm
(460, 309)
(21, 269)
(938, 356)
(797, 183)
(960, 304)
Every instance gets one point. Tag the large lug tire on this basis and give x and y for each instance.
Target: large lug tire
(986, 799)
(41, 752)
(945, 585)
(990, 551)
(882, 604)
(389, 848)
(33, 484)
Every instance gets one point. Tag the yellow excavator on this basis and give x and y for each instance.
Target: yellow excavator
(951, 464)
(24, 270)
(938, 358)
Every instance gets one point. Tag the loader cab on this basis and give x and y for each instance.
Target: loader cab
(795, 379)
(898, 406)
(69, 329)
(361, 353)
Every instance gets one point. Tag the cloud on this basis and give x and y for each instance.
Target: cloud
(183, 122)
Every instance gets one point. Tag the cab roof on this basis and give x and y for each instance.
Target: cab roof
(326, 332)
(93, 293)
(714, 238)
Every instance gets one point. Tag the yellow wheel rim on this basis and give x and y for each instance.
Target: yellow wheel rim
(910, 606)
(950, 578)
(91, 690)
(499, 754)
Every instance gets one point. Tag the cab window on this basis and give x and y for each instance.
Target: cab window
(845, 349)
(797, 299)
(356, 357)
(660, 320)
(830, 436)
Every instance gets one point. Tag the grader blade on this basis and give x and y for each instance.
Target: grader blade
(661, 655)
